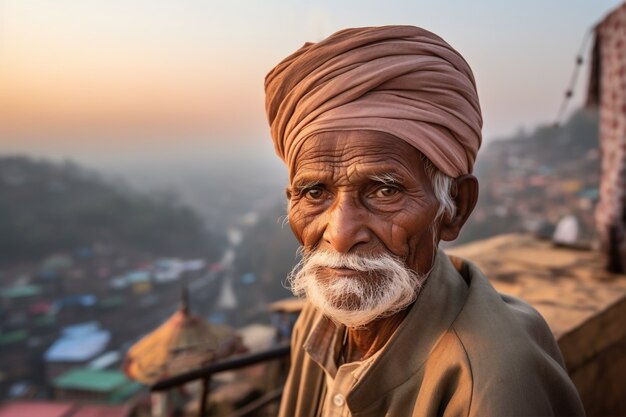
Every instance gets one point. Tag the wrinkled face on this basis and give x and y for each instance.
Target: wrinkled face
(363, 208)
(363, 192)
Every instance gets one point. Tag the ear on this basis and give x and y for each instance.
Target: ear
(465, 195)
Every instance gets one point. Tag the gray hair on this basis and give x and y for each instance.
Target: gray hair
(442, 187)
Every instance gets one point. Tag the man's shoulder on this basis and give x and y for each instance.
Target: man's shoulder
(503, 324)
(511, 353)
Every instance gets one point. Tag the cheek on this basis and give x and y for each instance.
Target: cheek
(403, 232)
(295, 222)
(304, 226)
(396, 234)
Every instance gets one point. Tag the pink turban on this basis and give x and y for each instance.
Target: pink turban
(401, 80)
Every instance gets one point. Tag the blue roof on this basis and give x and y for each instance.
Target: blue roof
(79, 343)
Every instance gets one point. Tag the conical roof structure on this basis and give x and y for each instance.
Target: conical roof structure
(181, 343)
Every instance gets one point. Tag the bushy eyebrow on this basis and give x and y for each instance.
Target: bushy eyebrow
(387, 178)
(305, 184)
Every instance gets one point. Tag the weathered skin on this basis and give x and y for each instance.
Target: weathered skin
(338, 202)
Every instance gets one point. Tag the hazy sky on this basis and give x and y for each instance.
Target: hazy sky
(125, 78)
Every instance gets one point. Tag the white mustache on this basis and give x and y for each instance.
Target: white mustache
(352, 301)
(361, 263)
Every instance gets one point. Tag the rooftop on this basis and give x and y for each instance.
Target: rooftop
(88, 379)
(21, 291)
(78, 346)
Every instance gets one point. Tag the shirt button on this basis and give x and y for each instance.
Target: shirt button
(338, 400)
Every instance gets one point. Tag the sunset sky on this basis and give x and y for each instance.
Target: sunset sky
(93, 79)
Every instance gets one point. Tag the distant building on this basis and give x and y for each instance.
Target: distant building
(607, 89)
(20, 298)
(95, 385)
(77, 345)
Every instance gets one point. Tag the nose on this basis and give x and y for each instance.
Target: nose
(346, 226)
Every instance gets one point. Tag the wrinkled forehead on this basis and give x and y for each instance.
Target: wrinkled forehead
(361, 153)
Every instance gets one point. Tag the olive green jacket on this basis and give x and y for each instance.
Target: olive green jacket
(462, 350)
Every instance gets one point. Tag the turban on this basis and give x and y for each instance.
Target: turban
(401, 80)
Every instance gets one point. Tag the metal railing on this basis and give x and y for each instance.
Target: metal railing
(204, 373)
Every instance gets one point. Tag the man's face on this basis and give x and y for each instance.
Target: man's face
(362, 193)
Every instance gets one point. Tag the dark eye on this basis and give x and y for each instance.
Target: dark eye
(386, 192)
(314, 193)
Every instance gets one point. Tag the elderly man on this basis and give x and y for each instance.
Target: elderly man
(380, 128)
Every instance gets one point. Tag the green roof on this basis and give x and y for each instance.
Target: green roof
(13, 337)
(21, 291)
(97, 380)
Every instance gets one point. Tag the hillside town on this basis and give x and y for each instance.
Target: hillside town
(533, 181)
(68, 319)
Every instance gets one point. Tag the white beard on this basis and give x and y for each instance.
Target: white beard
(386, 286)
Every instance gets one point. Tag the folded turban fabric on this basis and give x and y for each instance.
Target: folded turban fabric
(401, 80)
